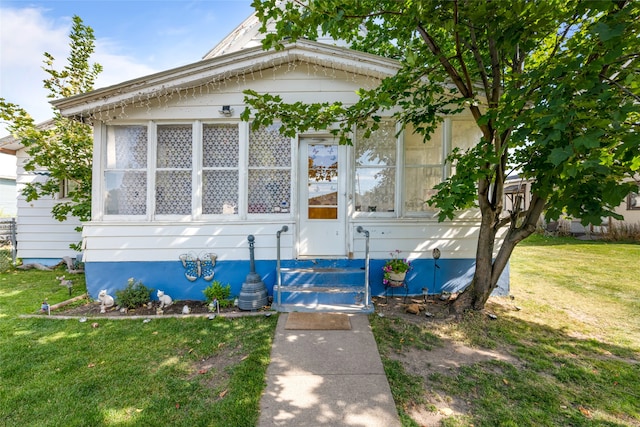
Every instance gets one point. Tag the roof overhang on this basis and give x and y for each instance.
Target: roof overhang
(10, 144)
(230, 66)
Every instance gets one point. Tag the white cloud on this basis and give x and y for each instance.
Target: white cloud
(25, 34)
(116, 68)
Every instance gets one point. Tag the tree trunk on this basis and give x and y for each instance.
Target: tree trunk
(476, 294)
(488, 269)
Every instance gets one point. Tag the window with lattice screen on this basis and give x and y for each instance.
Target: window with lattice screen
(269, 177)
(125, 170)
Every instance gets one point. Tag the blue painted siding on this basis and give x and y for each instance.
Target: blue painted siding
(169, 276)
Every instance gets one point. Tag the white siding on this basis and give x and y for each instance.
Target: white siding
(131, 239)
(307, 84)
(39, 235)
(166, 242)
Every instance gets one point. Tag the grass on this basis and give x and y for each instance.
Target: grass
(175, 372)
(572, 332)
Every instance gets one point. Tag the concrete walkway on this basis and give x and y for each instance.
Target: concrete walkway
(327, 378)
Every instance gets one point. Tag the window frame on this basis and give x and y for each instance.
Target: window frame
(104, 169)
(153, 170)
(442, 165)
(197, 174)
(398, 176)
(247, 168)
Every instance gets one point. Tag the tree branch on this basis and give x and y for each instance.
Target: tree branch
(619, 86)
(473, 47)
(448, 66)
(459, 57)
(495, 74)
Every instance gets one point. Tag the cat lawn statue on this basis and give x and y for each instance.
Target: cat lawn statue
(165, 300)
(106, 301)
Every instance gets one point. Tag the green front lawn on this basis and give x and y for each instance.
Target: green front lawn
(570, 335)
(178, 372)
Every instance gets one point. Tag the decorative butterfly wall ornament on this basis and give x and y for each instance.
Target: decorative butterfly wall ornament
(198, 265)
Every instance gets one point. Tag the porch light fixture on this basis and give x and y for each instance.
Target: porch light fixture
(226, 111)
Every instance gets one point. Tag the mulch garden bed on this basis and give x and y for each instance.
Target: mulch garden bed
(195, 308)
(411, 308)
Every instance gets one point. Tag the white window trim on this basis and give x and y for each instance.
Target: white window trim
(398, 186)
(99, 159)
(445, 168)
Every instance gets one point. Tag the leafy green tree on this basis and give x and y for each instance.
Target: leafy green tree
(553, 86)
(62, 147)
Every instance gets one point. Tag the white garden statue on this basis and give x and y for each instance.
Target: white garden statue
(165, 300)
(106, 301)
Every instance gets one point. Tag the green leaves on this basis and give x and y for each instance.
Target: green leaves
(559, 77)
(63, 147)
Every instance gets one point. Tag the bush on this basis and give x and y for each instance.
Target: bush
(623, 232)
(134, 295)
(221, 293)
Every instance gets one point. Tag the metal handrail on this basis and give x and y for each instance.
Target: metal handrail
(278, 274)
(359, 229)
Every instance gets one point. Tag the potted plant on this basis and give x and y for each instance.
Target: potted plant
(395, 269)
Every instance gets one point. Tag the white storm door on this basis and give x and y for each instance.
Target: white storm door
(322, 229)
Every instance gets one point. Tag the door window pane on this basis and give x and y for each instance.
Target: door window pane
(322, 181)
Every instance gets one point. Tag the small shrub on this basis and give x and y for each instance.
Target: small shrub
(134, 295)
(623, 232)
(221, 293)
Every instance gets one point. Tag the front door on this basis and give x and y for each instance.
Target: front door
(322, 198)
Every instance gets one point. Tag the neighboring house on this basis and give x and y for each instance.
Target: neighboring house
(180, 182)
(630, 208)
(8, 195)
(41, 238)
(518, 190)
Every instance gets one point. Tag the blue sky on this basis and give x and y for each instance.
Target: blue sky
(133, 39)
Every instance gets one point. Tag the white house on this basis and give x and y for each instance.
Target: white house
(8, 205)
(518, 191)
(180, 182)
(41, 238)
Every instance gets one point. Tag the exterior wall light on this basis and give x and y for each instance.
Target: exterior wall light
(226, 111)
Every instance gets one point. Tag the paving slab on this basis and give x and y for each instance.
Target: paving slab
(327, 378)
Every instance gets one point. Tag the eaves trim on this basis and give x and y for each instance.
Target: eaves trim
(224, 67)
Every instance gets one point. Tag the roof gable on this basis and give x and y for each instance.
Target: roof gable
(247, 35)
(224, 67)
